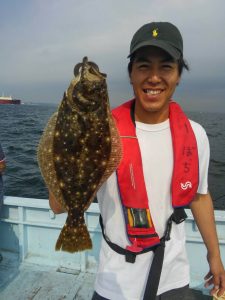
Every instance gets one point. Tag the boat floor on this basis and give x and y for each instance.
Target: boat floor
(37, 282)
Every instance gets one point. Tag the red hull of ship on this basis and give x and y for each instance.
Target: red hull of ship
(14, 101)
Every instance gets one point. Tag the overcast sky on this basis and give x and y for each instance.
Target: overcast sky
(42, 40)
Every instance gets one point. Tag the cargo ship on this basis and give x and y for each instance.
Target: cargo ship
(9, 100)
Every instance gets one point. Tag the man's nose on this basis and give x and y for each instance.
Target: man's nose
(154, 76)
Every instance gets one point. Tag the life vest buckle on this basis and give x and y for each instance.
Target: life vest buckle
(168, 230)
(179, 215)
(130, 257)
(134, 248)
(132, 251)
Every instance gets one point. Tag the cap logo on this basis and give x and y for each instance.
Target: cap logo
(155, 32)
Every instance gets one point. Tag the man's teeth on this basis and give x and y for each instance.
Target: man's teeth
(152, 92)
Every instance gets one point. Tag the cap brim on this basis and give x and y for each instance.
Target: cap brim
(171, 50)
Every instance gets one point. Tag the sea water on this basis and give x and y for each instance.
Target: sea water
(21, 127)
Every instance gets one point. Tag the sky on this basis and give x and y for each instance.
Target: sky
(42, 40)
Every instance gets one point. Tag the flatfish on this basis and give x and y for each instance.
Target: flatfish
(79, 149)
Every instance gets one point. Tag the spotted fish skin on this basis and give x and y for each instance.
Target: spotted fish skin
(83, 150)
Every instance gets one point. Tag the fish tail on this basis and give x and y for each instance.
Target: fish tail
(74, 239)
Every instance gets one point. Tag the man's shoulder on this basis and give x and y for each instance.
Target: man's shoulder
(198, 128)
(200, 135)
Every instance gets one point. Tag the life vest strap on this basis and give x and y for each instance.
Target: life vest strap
(177, 216)
(152, 284)
(130, 256)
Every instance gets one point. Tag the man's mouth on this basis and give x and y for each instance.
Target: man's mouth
(152, 92)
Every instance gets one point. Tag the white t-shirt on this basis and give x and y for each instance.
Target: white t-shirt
(117, 279)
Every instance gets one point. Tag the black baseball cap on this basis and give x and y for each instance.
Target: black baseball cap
(159, 34)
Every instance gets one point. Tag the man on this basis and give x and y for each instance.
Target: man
(164, 168)
(155, 67)
(2, 168)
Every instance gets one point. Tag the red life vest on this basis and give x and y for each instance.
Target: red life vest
(133, 194)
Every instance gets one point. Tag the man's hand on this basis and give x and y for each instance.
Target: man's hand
(2, 166)
(216, 276)
(203, 212)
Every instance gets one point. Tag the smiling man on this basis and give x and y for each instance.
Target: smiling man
(164, 169)
(154, 77)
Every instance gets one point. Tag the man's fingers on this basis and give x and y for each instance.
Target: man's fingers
(209, 282)
(207, 276)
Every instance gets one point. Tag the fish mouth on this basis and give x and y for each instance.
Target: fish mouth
(90, 90)
(87, 101)
(89, 98)
(93, 68)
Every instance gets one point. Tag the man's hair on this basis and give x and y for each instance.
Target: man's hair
(182, 64)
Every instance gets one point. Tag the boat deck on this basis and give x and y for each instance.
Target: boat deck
(32, 269)
(29, 281)
(26, 281)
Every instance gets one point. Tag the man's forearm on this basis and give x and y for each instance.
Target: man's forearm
(203, 212)
(2, 166)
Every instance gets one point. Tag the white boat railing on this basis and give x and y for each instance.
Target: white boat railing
(29, 228)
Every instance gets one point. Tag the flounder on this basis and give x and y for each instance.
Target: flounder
(79, 149)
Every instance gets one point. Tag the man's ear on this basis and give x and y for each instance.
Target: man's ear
(131, 82)
(178, 81)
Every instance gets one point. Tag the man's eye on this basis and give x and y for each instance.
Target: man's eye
(167, 67)
(143, 66)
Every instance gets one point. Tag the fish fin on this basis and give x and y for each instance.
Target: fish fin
(74, 239)
(45, 159)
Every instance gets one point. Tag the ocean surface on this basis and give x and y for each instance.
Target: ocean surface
(21, 127)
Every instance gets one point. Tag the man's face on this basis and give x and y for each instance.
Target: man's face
(154, 77)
